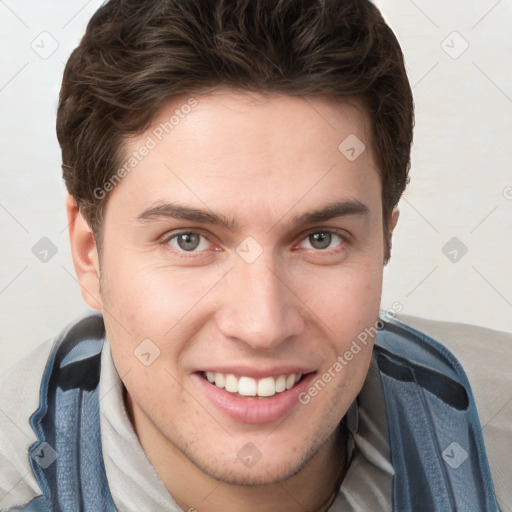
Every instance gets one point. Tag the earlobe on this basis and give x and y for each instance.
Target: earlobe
(394, 220)
(84, 253)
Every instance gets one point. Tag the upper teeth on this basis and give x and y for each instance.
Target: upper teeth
(247, 386)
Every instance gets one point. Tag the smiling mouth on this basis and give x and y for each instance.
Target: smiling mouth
(248, 387)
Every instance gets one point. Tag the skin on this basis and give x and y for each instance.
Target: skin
(261, 161)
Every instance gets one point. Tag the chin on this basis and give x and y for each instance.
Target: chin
(236, 474)
(257, 469)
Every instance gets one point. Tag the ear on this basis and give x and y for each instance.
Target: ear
(84, 253)
(389, 235)
(394, 220)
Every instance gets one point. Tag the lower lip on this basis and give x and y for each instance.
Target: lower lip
(253, 409)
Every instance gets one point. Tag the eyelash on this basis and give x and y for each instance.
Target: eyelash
(191, 254)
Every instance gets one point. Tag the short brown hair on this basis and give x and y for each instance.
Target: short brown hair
(137, 54)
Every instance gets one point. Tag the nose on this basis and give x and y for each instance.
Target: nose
(260, 308)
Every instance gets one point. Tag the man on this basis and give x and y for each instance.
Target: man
(233, 171)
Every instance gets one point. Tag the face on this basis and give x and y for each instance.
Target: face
(241, 256)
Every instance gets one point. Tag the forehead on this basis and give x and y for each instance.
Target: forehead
(252, 152)
(275, 124)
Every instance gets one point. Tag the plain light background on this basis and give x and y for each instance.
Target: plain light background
(452, 250)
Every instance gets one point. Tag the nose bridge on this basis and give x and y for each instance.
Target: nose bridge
(259, 309)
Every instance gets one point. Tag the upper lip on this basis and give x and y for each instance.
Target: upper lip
(258, 373)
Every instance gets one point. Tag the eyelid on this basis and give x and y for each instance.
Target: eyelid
(175, 232)
(165, 239)
(343, 233)
(344, 236)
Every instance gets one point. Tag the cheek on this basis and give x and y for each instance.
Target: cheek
(151, 299)
(348, 307)
(147, 302)
(345, 299)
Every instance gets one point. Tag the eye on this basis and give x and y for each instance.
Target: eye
(321, 240)
(188, 241)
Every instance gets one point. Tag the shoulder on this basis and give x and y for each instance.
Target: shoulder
(486, 357)
(19, 398)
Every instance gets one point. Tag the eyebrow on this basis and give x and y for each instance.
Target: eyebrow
(330, 211)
